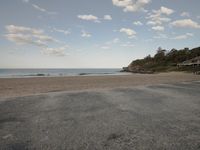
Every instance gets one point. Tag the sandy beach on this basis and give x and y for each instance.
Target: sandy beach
(142, 117)
(16, 87)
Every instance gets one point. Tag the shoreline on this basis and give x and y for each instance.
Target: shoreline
(54, 76)
(52, 72)
(17, 87)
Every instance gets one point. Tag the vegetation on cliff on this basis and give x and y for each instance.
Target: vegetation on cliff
(164, 60)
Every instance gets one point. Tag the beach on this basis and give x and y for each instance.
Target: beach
(138, 112)
(16, 87)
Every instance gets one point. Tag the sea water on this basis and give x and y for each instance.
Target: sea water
(22, 73)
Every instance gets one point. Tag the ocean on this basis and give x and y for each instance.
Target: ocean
(23, 73)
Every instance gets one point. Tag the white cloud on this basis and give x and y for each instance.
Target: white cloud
(21, 29)
(89, 18)
(66, 32)
(39, 8)
(131, 33)
(115, 40)
(26, 35)
(127, 44)
(138, 23)
(109, 44)
(31, 36)
(182, 37)
(160, 36)
(165, 19)
(189, 34)
(94, 18)
(158, 17)
(26, 1)
(59, 51)
(178, 37)
(130, 5)
(43, 10)
(166, 11)
(107, 17)
(158, 28)
(151, 23)
(105, 47)
(185, 14)
(24, 39)
(122, 3)
(185, 23)
(45, 38)
(85, 34)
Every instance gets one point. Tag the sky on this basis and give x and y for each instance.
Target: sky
(93, 33)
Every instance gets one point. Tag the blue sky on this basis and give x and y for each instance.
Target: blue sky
(93, 33)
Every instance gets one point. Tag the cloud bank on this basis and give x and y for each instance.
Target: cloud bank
(26, 35)
(30, 36)
(89, 18)
(185, 23)
(131, 5)
(130, 32)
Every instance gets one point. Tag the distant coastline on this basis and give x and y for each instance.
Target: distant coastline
(166, 61)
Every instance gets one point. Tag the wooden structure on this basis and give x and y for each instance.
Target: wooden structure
(194, 64)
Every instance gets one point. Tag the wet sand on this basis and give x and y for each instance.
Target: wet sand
(16, 87)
